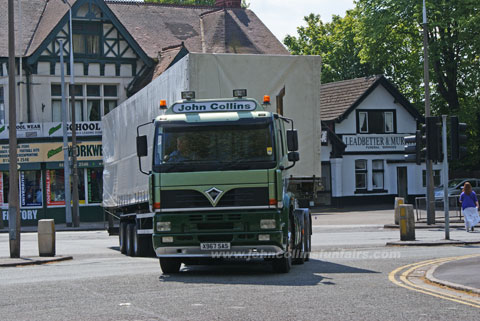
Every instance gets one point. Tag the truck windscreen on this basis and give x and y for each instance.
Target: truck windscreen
(238, 145)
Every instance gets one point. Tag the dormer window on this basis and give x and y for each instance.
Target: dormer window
(376, 122)
(86, 38)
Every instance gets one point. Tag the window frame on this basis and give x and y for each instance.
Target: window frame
(84, 30)
(382, 171)
(82, 100)
(361, 171)
(384, 112)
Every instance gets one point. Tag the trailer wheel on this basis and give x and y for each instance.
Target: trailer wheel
(301, 249)
(122, 231)
(170, 265)
(129, 239)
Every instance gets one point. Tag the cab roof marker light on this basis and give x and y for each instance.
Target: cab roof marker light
(266, 100)
(163, 104)
(188, 95)
(239, 93)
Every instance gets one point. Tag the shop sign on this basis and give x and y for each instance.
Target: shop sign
(26, 153)
(92, 128)
(24, 130)
(52, 152)
(374, 143)
(86, 151)
(26, 215)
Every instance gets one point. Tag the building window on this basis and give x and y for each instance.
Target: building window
(86, 38)
(377, 174)
(55, 187)
(376, 122)
(437, 179)
(99, 99)
(4, 188)
(31, 189)
(361, 174)
(2, 106)
(95, 185)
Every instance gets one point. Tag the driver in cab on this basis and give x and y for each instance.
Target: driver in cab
(181, 153)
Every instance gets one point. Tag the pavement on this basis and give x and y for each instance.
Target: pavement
(459, 274)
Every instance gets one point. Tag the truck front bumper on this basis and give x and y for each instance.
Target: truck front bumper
(261, 251)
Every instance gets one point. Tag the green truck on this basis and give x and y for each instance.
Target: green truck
(219, 184)
(221, 174)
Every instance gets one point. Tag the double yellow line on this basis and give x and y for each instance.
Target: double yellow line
(408, 269)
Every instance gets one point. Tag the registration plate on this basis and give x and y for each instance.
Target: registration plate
(214, 246)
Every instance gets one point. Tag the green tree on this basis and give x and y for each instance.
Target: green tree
(390, 33)
(337, 44)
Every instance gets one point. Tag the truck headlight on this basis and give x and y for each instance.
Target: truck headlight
(267, 224)
(164, 226)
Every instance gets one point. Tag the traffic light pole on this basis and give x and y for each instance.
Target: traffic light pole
(445, 177)
(429, 166)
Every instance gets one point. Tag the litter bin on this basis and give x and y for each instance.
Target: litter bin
(46, 237)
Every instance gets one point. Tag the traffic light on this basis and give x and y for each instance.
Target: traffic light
(413, 148)
(458, 138)
(433, 130)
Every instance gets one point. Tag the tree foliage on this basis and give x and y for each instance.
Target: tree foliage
(386, 36)
(335, 42)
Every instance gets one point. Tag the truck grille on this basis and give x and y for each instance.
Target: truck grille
(238, 197)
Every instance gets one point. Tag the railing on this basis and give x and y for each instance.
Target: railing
(454, 211)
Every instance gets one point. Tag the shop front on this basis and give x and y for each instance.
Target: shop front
(42, 184)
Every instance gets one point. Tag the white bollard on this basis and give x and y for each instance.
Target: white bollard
(46, 237)
(398, 201)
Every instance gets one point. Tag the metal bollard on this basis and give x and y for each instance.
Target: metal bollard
(398, 201)
(407, 222)
(46, 237)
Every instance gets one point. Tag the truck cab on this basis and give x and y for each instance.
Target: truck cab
(219, 184)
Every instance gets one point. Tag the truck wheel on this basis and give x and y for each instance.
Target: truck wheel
(308, 239)
(170, 265)
(300, 250)
(284, 263)
(142, 244)
(129, 239)
(122, 231)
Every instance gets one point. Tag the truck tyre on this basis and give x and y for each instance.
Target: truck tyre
(300, 250)
(122, 231)
(284, 263)
(129, 239)
(170, 265)
(308, 238)
(142, 244)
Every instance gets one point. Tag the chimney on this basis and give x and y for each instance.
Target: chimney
(228, 3)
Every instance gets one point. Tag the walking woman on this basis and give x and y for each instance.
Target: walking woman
(469, 201)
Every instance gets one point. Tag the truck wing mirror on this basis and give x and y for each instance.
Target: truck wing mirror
(142, 150)
(293, 157)
(292, 140)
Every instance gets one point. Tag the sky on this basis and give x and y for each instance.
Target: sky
(283, 17)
